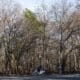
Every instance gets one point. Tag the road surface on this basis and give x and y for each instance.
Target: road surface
(48, 77)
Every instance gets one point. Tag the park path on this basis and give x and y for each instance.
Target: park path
(48, 77)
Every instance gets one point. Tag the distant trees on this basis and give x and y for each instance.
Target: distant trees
(63, 21)
(48, 37)
(9, 15)
(65, 26)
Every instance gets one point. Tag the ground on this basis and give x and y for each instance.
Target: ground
(46, 77)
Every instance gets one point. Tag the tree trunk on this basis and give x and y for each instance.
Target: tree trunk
(60, 63)
(17, 67)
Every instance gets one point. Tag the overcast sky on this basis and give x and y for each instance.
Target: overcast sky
(32, 4)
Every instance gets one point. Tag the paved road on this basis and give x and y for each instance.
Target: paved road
(49, 77)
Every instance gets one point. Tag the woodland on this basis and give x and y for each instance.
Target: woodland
(48, 36)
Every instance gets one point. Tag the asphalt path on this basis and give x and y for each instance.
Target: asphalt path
(44, 77)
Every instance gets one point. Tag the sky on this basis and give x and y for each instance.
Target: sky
(31, 4)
